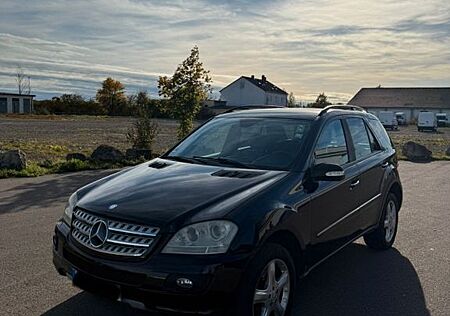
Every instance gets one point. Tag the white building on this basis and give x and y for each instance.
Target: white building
(410, 101)
(253, 91)
(16, 103)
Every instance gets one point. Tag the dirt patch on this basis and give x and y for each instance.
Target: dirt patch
(53, 138)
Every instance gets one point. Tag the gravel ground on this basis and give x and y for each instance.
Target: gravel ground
(410, 279)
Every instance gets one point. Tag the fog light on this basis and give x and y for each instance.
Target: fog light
(184, 283)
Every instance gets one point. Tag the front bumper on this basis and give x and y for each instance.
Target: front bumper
(152, 281)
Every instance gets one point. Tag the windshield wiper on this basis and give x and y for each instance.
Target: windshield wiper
(222, 160)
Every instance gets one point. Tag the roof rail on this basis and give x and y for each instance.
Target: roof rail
(341, 107)
(251, 107)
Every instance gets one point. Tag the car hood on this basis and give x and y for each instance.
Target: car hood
(158, 196)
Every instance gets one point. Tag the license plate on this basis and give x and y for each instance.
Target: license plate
(72, 273)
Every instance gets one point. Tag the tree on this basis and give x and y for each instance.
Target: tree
(185, 90)
(291, 100)
(112, 96)
(321, 101)
(23, 82)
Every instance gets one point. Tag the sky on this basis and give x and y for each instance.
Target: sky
(305, 46)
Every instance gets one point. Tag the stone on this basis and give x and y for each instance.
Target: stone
(107, 153)
(416, 152)
(78, 156)
(447, 152)
(13, 159)
(136, 153)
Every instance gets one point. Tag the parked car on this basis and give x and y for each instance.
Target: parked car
(231, 216)
(401, 118)
(426, 121)
(442, 120)
(388, 119)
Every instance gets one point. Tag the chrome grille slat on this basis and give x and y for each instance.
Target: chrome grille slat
(123, 239)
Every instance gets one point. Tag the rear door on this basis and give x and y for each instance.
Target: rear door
(372, 162)
(332, 203)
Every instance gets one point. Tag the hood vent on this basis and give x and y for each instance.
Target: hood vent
(159, 164)
(236, 174)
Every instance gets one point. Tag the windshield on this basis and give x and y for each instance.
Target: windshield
(265, 143)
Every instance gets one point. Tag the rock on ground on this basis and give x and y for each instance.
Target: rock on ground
(13, 159)
(78, 156)
(416, 152)
(107, 153)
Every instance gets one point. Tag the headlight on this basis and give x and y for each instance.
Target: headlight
(67, 216)
(211, 237)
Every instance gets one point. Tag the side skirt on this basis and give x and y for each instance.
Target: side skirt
(339, 249)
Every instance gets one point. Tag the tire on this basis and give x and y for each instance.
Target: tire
(256, 277)
(383, 236)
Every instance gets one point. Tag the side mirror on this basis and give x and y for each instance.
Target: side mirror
(327, 172)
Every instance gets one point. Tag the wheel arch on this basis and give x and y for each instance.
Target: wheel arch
(396, 189)
(289, 241)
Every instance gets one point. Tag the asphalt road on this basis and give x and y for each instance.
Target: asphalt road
(411, 279)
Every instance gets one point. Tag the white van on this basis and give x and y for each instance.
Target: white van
(401, 118)
(426, 121)
(442, 120)
(388, 119)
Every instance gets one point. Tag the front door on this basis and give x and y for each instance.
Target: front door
(3, 105)
(333, 203)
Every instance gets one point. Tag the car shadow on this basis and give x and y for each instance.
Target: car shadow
(45, 191)
(357, 281)
(361, 281)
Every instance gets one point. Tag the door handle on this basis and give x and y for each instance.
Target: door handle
(385, 164)
(354, 184)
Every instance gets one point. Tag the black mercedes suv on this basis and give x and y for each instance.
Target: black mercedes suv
(228, 219)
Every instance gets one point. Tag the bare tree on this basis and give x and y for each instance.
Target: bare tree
(28, 86)
(21, 80)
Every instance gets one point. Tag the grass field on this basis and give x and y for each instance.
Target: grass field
(53, 137)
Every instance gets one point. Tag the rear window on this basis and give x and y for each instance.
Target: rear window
(380, 133)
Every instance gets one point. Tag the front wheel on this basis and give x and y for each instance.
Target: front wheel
(268, 284)
(383, 236)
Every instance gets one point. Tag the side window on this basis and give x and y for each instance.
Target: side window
(360, 138)
(373, 142)
(331, 146)
(380, 133)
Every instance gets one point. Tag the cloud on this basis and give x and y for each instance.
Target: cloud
(306, 46)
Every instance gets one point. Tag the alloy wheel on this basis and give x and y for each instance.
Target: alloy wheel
(272, 291)
(390, 221)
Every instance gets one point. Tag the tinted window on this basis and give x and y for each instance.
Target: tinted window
(360, 138)
(373, 142)
(331, 146)
(267, 143)
(380, 133)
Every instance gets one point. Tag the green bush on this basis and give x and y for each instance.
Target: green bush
(143, 132)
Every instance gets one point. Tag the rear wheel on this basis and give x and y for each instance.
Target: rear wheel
(268, 284)
(384, 236)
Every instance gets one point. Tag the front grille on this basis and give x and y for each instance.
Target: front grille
(122, 239)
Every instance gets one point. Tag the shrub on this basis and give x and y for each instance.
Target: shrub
(143, 132)
(73, 165)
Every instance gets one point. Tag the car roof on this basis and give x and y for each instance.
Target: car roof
(283, 112)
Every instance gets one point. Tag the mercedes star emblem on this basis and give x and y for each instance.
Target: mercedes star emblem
(98, 234)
